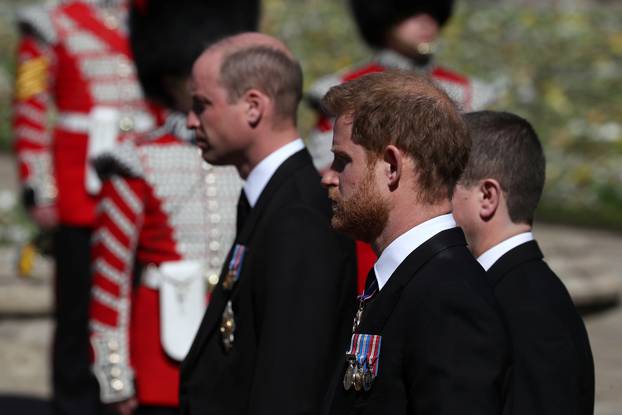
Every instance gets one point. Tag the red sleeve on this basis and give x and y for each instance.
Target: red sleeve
(34, 76)
(119, 219)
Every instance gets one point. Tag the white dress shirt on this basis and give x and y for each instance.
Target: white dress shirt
(488, 258)
(402, 246)
(263, 172)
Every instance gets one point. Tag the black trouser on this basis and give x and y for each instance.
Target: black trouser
(156, 410)
(75, 390)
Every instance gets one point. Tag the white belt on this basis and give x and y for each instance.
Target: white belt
(153, 278)
(78, 122)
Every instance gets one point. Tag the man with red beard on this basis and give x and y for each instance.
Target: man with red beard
(426, 337)
(404, 34)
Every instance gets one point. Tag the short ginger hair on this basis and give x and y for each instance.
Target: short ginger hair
(405, 109)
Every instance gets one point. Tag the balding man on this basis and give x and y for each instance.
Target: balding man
(274, 326)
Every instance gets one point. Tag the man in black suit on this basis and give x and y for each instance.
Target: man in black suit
(494, 202)
(426, 337)
(272, 331)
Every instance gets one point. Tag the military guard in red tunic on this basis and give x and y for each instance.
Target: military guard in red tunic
(74, 67)
(404, 34)
(166, 219)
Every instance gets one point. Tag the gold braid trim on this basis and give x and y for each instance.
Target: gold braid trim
(32, 78)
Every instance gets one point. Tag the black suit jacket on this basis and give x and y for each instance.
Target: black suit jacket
(444, 347)
(292, 303)
(552, 370)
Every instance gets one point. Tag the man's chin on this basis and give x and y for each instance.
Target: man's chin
(210, 156)
(341, 226)
(335, 223)
(217, 159)
(207, 156)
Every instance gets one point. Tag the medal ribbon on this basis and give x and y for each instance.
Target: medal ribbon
(361, 350)
(353, 344)
(366, 349)
(374, 353)
(236, 260)
(369, 292)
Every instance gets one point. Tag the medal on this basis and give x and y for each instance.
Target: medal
(362, 359)
(227, 322)
(367, 379)
(227, 327)
(235, 267)
(348, 377)
(228, 281)
(357, 318)
(357, 378)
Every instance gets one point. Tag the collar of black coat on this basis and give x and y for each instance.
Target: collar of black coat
(529, 251)
(285, 171)
(389, 297)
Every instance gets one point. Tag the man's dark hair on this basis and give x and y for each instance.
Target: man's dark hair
(506, 148)
(405, 109)
(267, 69)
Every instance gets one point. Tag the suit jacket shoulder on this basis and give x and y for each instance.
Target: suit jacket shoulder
(552, 367)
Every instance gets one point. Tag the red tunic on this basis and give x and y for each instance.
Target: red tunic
(165, 204)
(75, 58)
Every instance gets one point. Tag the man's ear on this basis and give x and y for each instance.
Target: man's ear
(394, 163)
(489, 198)
(256, 104)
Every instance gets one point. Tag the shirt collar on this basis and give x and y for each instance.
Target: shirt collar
(400, 248)
(263, 172)
(488, 258)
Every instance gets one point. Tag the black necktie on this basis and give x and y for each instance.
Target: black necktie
(371, 278)
(244, 209)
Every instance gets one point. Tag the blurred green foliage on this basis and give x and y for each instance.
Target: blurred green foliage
(559, 68)
(7, 63)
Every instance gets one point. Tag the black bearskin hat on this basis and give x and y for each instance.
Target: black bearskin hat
(375, 17)
(166, 36)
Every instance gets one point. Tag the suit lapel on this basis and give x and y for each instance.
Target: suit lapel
(529, 251)
(380, 308)
(212, 315)
(280, 176)
(219, 299)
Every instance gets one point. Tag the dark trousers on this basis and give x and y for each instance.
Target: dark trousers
(156, 410)
(75, 389)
